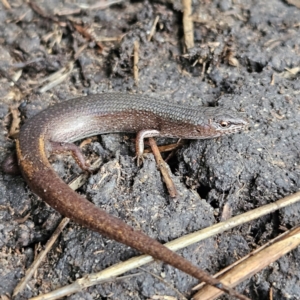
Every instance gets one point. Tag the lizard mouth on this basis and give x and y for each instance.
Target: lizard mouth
(237, 128)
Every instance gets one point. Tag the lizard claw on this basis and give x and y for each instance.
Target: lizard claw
(139, 159)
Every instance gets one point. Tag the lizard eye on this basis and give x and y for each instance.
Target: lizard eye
(224, 124)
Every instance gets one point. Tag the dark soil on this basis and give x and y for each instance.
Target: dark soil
(243, 49)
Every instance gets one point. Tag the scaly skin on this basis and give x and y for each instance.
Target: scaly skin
(116, 112)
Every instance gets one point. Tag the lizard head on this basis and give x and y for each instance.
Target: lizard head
(218, 122)
(227, 123)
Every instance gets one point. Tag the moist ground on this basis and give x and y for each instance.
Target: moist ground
(243, 56)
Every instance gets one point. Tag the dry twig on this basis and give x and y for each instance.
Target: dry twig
(39, 259)
(56, 78)
(153, 28)
(6, 4)
(223, 271)
(163, 169)
(188, 25)
(16, 120)
(167, 148)
(118, 269)
(136, 61)
(252, 265)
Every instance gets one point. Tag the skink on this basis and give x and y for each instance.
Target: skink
(55, 128)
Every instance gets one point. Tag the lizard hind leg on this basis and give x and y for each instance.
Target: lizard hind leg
(75, 151)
